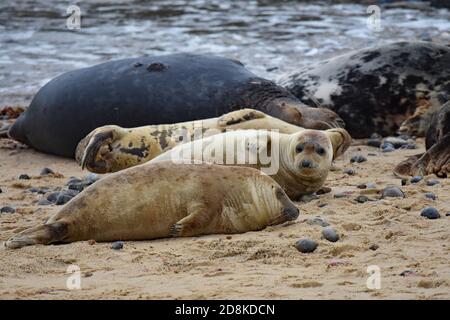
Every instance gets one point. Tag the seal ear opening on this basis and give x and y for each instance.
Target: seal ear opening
(17, 132)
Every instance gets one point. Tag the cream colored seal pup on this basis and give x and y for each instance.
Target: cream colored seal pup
(299, 162)
(165, 199)
(112, 148)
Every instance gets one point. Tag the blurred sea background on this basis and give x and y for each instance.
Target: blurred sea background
(270, 37)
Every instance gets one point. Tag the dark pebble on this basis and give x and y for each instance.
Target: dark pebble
(306, 245)
(361, 186)
(63, 199)
(44, 202)
(404, 182)
(393, 192)
(7, 210)
(374, 247)
(321, 205)
(395, 142)
(387, 147)
(430, 213)
(350, 172)
(374, 143)
(46, 171)
(1, 190)
(24, 177)
(358, 158)
(430, 195)
(431, 183)
(318, 221)
(362, 199)
(416, 179)
(117, 245)
(407, 273)
(447, 214)
(53, 196)
(340, 195)
(330, 234)
(372, 154)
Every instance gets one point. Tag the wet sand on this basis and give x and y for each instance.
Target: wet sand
(253, 265)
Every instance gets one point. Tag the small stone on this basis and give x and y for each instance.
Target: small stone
(350, 172)
(53, 196)
(374, 143)
(340, 195)
(44, 202)
(374, 247)
(404, 182)
(229, 237)
(46, 171)
(306, 245)
(416, 179)
(447, 214)
(372, 154)
(318, 221)
(432, 182)
(321, 205)
(407, 273)
(430, 195)
(387, 147)
(393, 192)
(330, 234)
(117, 245)
(361, 186)
(63, 199)
(430, 213)
(395, 142)
(91, 242)
(362, 199)
(24, 177)
(371, 185)
(7, 210)
(358, 158)
(1, 190)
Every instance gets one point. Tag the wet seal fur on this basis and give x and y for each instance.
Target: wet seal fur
(379, 89)
(436, 160)
(165, 199)
(305, 157)
(152, 90)
(112, 148)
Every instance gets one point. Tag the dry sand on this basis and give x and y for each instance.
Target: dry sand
(261, 264)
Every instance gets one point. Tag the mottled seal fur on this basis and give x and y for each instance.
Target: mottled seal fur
(152, 90)
(436, 160)
(299, 162)
(165, 199)
(112, 148)
(380, 89)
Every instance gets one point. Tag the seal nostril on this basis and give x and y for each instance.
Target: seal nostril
(306, 164)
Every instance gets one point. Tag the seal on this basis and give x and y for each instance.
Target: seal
(381, 89)
(298, 162)
(152, 90)
(112, 148)
(164, 199)
(436, 159)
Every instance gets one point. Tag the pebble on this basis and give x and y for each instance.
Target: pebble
(371, 185)
(387, 147)
(362, 199)
(416, 179)
(374, 247)
(361, 186)
(1, 190)
(44, 202)
(318, 221)
(80, 185)
(430, 213)
(53, 196)
(62, 199)
(24, 177)
(395, 142)
(430, 195)
(404, 182)
(92, 242)
(431, 183)
(7, 210)
(117, 245)
(358, 158)
(350, 172)
(340, 195)
(306, 245)
(46, 171)
(321, 205)
(447, 214)
(393, 192)
(374, 143)
(407, 273)
(330, 234)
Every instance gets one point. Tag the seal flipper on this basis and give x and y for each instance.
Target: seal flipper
(17, 130)
(404, 168)
(192, 223)
(340, 140)
(239, 116)
(43, 234)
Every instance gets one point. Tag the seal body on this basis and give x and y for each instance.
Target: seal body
(299, 162)
(165, 199)
(436, 159)
(112, 148)
(380, 89)
(150, 90)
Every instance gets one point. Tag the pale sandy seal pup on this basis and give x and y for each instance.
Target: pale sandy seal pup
(382, 89)
(436, 160)
(112, 148)
(299, 162)
(164, 199)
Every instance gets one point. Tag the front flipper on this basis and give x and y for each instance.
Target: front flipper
(44, 234)
(239, 116)
(195, 223)
(340, 140)
(92, 152)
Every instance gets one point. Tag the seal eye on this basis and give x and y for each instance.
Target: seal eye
(320, 151)
(299, 148)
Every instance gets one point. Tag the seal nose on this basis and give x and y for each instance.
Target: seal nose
(306, 164)
(291, 212)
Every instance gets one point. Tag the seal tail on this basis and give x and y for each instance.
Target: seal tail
(43, 234)
(17, 132)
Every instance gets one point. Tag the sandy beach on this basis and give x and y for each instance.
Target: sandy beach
(411, 251)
